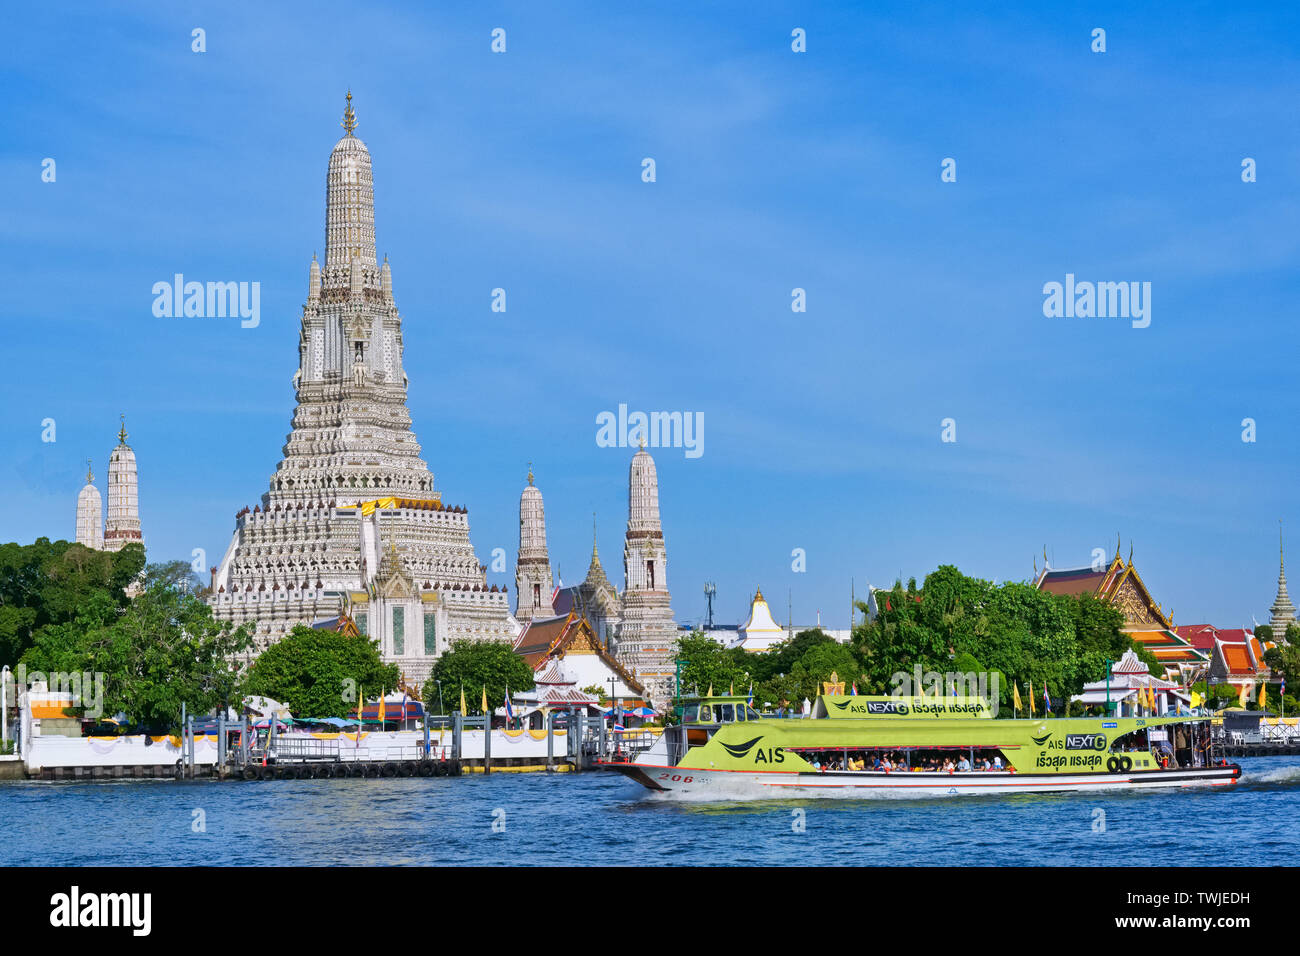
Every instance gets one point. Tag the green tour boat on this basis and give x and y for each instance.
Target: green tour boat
(863, 746)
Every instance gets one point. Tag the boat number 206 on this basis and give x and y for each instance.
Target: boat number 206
(675, 778)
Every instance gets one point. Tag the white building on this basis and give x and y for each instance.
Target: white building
(351, 522)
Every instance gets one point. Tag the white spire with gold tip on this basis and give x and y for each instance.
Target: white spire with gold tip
(90, 513)
(123, 525)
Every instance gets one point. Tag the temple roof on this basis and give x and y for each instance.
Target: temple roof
(1073, 581)
(548, 639)
(1118, 584)
(1168, 646)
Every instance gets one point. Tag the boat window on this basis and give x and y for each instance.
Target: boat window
(751, 714)
(726, 713)
(706, 714)
(691, 714)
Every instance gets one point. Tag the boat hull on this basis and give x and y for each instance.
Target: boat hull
(740, 784)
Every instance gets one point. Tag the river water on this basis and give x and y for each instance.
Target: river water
(600, 818)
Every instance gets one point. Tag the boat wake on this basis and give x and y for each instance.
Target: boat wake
(1273, 777)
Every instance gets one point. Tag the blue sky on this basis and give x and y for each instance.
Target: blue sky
(775, 170)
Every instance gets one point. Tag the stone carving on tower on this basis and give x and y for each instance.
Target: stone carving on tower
(310, 551)
(647, 632)
(533, 568)
(1282, 613)
(123, 524)
(90, 514)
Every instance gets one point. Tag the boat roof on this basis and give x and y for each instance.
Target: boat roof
(841, 732)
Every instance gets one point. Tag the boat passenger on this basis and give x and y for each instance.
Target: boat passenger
(963, 764)
(997, 762)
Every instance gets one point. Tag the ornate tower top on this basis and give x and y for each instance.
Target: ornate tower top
(90, 473)
(349, 202)
(349, 118)
(121, 436)
(643, 494)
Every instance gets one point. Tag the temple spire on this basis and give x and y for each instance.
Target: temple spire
(121, 435)
(90, 473)
(533, 582)
(1282, 613)
(349, 118)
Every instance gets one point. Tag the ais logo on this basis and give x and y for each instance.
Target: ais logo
(761, 755)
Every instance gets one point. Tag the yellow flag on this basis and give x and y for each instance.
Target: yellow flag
(1263, 696)
(463, 708)
(1015, 697)
(381, 710)
(361, 696)
(1031, 698)
(485, 699)
(1241, 697)
(732, 692)
(1197, 699)
(710, 693)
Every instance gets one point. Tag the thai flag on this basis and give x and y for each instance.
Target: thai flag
(855, 688)
(1047, 701)
(750, 702)
(510, 711)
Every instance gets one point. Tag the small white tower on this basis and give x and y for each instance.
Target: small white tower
(533, 569)
(90, 514)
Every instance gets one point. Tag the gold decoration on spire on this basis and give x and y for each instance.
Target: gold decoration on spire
(1116, 545)
(90, 473)
(121, 435)
(349, 118)
(530, 464)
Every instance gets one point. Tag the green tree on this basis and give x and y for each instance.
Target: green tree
(320, 673)
(45, 584)
(706, 663)
(161, 650)
(473, 664)
(1284, 659)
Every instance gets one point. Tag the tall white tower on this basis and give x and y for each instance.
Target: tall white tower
(123, 525)
(309, 550)
(647, 632)
(90, 514)
(533, 569)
